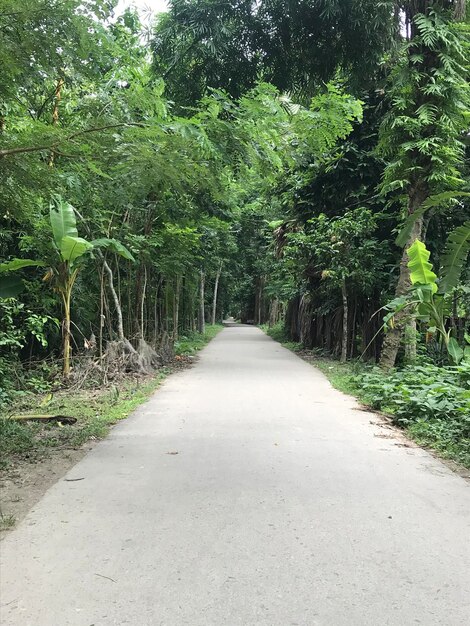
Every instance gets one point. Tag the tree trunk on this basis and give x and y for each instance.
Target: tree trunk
(459, 10)
(274, 312)
(411, 340)
(216, 289)
(66, 332)
(345, 337)
(117, 304)
(156, 317)
(100, 334)
(176, 308)
(352, 335)
(393, 337)
(201, 316)
(142, 305)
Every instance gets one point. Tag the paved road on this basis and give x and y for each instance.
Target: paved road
(283, 506)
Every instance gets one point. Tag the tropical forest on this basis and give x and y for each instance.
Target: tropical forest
(297, 165)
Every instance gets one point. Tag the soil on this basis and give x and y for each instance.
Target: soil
(24, 483)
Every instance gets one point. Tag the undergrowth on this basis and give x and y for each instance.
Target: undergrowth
(189, 343)
(431, 403)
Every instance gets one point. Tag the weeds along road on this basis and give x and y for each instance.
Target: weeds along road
(245, 492)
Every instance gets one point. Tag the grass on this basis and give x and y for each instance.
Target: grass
(340, 375)
(96, 410)
(192, 342)
(436, 435)
(7, 522)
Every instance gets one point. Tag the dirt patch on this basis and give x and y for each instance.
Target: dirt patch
(23, 483)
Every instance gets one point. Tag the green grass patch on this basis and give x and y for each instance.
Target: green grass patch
(191, 342)
(442, 437)
(341, 375)
(96, 410)
(278, 333)
(7, 522)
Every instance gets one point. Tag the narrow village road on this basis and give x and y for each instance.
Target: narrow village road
(245, 492)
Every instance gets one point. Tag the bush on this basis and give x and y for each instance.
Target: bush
(278, 333)
(418, 392)
(191, 342)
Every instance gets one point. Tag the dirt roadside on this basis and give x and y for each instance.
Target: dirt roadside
(24, 483)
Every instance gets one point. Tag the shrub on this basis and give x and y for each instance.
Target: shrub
(418, 392)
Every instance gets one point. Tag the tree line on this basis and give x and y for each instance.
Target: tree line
(274, 161)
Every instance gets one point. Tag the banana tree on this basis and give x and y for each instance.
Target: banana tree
(72, 251)
(427, 299)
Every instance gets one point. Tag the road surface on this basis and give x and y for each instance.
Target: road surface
(245, 492)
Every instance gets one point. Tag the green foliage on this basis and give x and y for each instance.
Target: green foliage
(12, 286)
(17, 323)
(63, 221)
(423, 299)
(15, 439)
(205, 43)
(191, 342)
(417, 392)
(337, 248)
(429, 95)
(440, 200)
(95, 413)
(278, 333)
(454, 257)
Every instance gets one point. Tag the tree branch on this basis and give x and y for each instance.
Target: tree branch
(52, 147)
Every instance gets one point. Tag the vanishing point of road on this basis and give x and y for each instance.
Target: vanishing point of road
(247, 492)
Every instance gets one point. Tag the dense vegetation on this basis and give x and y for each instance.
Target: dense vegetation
(302, 164)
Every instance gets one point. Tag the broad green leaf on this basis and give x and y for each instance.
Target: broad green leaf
(18, 264)
(423, 312)
(73, 247)
(10, 286)
(114, 246)
(454, 257)
(425, 293)
(394, 307)
(63, 221)
(397, 303)
(420, 268)
(455, 351)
